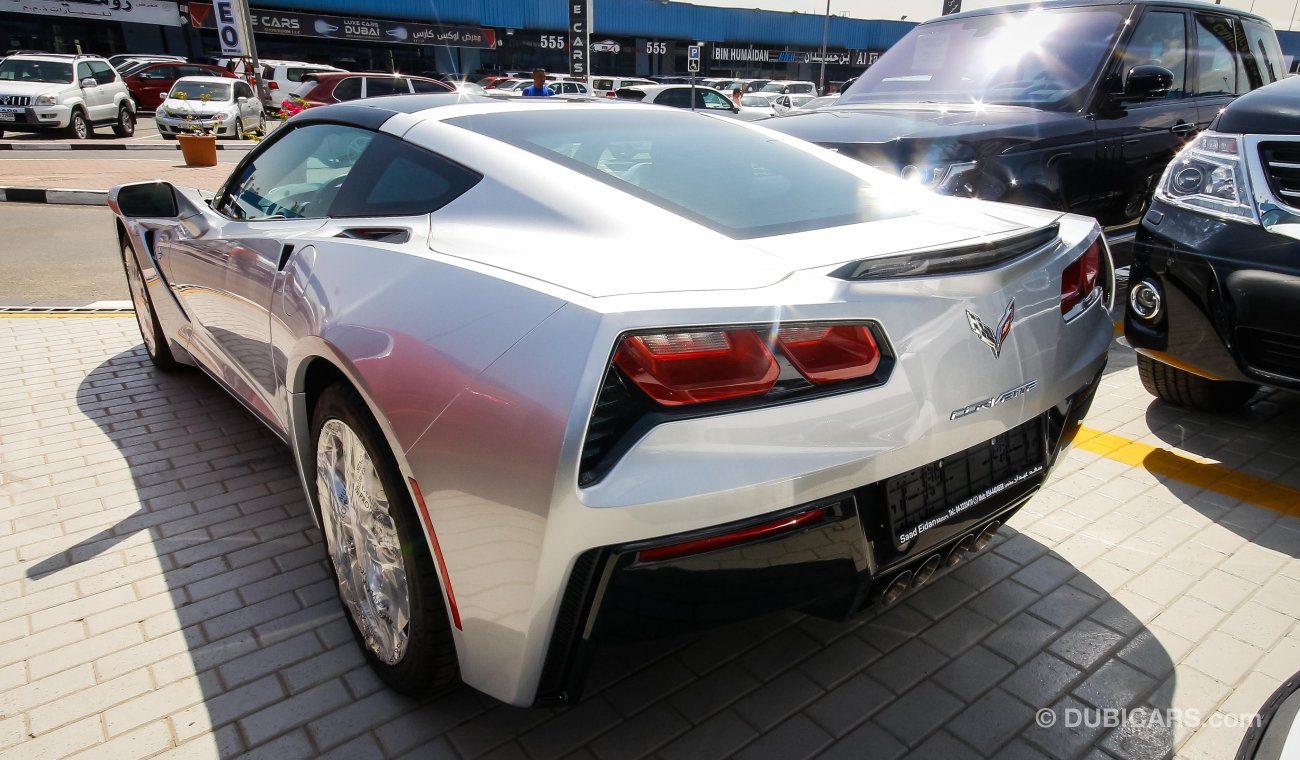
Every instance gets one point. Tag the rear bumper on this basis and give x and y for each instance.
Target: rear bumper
(838, 557)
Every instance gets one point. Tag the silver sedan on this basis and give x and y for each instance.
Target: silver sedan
(559, 373)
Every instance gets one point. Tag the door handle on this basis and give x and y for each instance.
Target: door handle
(1183, 128)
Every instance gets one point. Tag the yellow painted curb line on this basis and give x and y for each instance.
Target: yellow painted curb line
(1211, 476)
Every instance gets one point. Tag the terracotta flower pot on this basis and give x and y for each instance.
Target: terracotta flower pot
(198, 150)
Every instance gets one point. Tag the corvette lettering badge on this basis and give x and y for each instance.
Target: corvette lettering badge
(989, 403)
(993, 338)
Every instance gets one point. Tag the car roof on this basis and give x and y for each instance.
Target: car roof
(1049, 4)
(213, 80)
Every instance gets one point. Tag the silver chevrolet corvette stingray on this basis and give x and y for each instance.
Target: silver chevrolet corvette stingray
(557, 373)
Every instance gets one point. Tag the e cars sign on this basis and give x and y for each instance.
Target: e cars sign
(230, 28)
(579, 34)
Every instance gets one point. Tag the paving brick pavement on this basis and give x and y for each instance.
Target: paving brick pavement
(163, 594)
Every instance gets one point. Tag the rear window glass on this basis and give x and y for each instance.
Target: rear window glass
(728, 177)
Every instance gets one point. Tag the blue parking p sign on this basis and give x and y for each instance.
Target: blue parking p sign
(693, 58)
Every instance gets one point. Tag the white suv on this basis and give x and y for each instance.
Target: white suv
(42, 92)
(283, 77)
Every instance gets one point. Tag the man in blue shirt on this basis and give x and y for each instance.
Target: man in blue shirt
(538, 88)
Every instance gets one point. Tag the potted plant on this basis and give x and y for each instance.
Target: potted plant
(199, 142)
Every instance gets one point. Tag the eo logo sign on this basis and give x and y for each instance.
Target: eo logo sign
(229, 29)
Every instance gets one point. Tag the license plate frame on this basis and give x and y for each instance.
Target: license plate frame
(8, 116)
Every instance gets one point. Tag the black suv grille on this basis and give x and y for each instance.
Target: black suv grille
(1270, 351)
(15, 100)
(929, 495)
(1282, 166)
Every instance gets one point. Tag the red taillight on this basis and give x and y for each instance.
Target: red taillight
(691, 367)
(745, 535)
(1080, 277)
(610, 94)
(274, 85)
(830, 353)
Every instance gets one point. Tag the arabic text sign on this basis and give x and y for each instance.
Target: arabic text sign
(343, 28)
(158, 12)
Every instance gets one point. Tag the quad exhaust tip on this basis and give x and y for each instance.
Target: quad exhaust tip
(896, 588)
(986, 535)
(927, 570)
(957, 554)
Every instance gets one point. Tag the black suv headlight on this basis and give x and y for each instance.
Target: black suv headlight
(1209, 176)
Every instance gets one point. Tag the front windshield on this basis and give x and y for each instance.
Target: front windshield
(773, 87)
(754, 101)
(1037, 58)
(738, 181)
(196, 90)
(28, 70)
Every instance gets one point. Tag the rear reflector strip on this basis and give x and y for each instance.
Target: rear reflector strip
(745, 535)
(437, 551)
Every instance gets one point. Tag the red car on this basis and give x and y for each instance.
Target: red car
(336, 87)
(150, 84)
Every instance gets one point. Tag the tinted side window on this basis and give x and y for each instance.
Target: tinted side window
(83, 72)
(422, 85)
(1265, 60)
(103, 73)
(677, 98)
(294, 75)
(242, 90)
(297, 176)
(398, 179)
(603, 84)
(712, 100)
(348, 89)
(376, 86)
(1216, 55)
(1160, 39)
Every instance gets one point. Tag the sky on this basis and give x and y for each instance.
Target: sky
(1279, 12)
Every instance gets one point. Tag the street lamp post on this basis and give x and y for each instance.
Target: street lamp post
(826, 26)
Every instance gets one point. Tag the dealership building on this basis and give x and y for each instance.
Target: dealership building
(629, 37)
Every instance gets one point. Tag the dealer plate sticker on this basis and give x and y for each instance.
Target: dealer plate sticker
(970, 503)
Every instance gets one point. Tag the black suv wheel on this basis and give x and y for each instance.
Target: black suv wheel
(1185, 389)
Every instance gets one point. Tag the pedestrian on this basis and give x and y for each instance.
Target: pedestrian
(538, 88)
(735, 96)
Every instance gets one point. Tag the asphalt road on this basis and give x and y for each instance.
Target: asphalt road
(59, 253)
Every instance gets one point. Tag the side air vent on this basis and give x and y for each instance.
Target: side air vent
(965, 258)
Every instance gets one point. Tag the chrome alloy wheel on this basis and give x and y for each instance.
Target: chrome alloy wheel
(362, 541)
(140, 299)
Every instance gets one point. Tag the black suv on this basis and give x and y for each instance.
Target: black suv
(1076, 106)
(1214, 294)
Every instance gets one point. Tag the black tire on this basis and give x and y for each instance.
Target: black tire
(78, 126)
(1185, 389)
(429, 665)
(151, 332)
(239, 128)
(125, 126)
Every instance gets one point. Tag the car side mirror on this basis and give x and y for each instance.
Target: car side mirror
(89, 82)
(1147, 82)
(241, 100)
(147, 199)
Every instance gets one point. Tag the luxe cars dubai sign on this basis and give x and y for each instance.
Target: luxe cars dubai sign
(343, 28)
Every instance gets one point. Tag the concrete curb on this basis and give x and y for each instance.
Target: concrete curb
(111, 146)
(55, 195)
